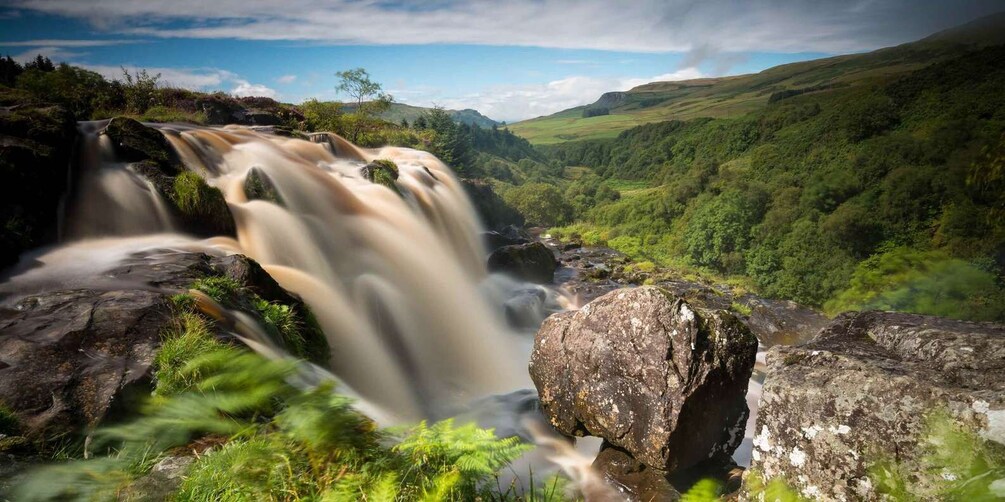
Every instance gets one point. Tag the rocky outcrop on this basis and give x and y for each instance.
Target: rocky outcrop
(860, 391)
(650, 374)
(532, 262)
(494, 212)
(258, 186)
(72, 358)
(36, 143)
(135, 142)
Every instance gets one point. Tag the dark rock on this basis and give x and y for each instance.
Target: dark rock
(530, 262)
(526, 308)
(135, 142)
(635, 479)
(860, 391)
(782, 322)
(648, 373)
(70, 359)
(258, 186)
(36, 144)
(494, 212)
(509, 235)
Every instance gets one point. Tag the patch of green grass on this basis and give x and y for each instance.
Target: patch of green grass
(188, 338)
(201, 203)
(166, 114)
(220, 288)
(741, 309)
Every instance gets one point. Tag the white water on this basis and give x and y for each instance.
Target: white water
(397, 282)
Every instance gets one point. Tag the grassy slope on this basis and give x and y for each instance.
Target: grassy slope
(739, 95)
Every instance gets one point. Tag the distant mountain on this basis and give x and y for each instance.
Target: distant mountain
(410, 113)
(738, 95)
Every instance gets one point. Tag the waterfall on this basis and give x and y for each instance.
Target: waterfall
(397, 281)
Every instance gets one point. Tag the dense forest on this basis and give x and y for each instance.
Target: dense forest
(888, 195)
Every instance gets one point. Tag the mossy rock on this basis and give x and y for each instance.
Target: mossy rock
(202, 207)
(258, 186)
(382, 172)
(135, 142)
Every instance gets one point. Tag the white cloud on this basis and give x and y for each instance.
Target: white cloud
(519, 102)
(187, 78)
(67, 43)
(57, 54)
(287, 79)
(642, 25)
(245, 88)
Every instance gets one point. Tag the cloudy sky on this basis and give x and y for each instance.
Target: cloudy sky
(510, 59)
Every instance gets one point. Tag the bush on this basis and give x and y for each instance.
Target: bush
(539, 204)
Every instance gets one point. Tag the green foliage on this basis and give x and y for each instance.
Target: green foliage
(140, 90)
(706, 490)
(775, 490)
(797, 194)
(187, 338)
(322, 115)
(282, 443)
(956, 465)
(464, 455)
(924, 283)
(539, 203)
(220, 288)
(79, 90)
(160, 113)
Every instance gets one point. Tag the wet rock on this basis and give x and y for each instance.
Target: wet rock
(781, 322)
(510, 235)
(526, 308)
(860, 391)
(382, 172)
(70, 359)
(649, 373)
(258, 186)
(633, 478)
(532, 262)
(135, 142)
(36, 141)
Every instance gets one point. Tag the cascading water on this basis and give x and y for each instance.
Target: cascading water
(394, 280)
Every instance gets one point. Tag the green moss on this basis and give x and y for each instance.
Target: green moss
(201, 204)
(382, 172)
(258, 186)
(220, 288)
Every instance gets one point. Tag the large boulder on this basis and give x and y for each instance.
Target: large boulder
(648, 373)
(860, 391)
(36, 141)
(71, 358)
(532, 262)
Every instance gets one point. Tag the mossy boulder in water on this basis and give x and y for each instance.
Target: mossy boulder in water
(202, 207)
(258, 186)
(382, 172)
(135, 142)
(36, 141)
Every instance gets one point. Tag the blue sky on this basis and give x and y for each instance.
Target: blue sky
(510, 60)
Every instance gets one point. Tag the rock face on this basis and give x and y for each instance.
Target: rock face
(71, 358)
(532, 262)
(510, 235)
(648, 373)
(36, 141)
(860, 390)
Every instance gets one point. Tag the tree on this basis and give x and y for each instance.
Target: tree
(322, 115)
(540, 204)
(9, 70)
(369, 98)
(140, 89)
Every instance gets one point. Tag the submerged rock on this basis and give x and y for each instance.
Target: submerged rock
(650, 374)
(258, 186)
(532, 262)
(36, 141)
(860, 391)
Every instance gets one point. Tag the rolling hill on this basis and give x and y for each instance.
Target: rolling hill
(399, 111)
(735, 96)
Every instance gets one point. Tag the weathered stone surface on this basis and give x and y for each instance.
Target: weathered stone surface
(71, 358)
(648, 373)
(36, 141)
(633, 478)
(531, 262)
(860, 390)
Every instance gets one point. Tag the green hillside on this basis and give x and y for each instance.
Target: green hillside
(736, 96)
(401, 111)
